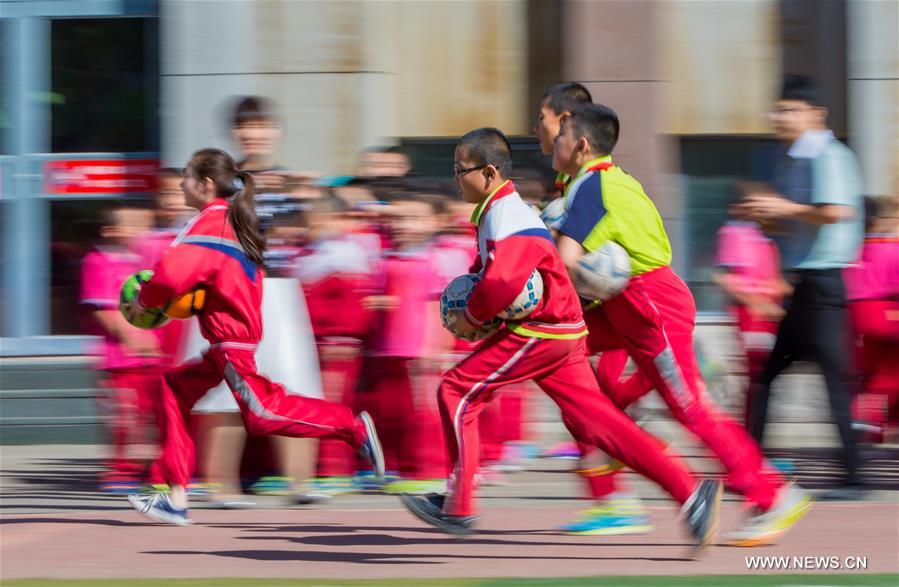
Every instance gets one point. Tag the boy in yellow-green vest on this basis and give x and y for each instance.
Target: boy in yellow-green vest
(654, 317)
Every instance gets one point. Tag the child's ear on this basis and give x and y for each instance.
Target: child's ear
(490, 172)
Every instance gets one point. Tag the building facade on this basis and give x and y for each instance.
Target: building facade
(96, 92)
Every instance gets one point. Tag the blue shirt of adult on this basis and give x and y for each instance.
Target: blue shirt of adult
(820, 170)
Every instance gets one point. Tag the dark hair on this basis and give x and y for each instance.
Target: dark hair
(253, 109)
(803, 88)
(598, 124)
(436, 202)
(391, 149)
(489, 146)
(218, 166)
(565, 97)
(170, 172)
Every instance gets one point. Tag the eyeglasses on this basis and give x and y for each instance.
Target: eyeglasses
(460, 172)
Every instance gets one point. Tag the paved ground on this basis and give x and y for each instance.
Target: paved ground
(55, 525)
(387, 542)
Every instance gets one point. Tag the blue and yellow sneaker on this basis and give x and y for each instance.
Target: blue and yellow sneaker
(194, 488)
(272, 485)
(766, 528)
(415, 486)
(621, 514)
(331, 486)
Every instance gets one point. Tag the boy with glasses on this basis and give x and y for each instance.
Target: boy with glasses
(548, 347)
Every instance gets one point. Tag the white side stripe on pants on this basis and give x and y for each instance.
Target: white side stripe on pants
(476, 389)
(246, 393)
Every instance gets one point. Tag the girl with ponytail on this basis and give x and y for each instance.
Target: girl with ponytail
(220, 251)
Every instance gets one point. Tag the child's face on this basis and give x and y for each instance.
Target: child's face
(324, 225)
(458, 217)
(470, 178)
(374, 164)
(547, 128)
(258, 138)
(411, 222)
(126, 224)
(170, 207)
(197, 192)
(566, 151)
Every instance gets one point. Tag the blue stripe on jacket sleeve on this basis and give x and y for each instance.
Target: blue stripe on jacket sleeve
(249, 268)
(585, 210)
(538, 232)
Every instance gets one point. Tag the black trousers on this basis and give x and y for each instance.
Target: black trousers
(815, 328)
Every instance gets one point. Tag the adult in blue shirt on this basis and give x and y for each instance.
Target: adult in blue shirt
(817, 209)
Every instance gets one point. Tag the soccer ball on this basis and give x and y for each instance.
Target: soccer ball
(553, 215)
(134, 313)
(603, 273)
(453, 301)
(186, 305)
(527, 300)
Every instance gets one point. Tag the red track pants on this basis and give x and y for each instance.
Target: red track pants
(561, 369)
(130, 403)
(653, 319)
(266, 408)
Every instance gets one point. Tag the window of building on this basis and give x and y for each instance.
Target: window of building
(103, 98)
(104, 85)
(711, 168)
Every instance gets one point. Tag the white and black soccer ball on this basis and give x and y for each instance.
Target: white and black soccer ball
(604, 273)
(453, 302)
(527, 300)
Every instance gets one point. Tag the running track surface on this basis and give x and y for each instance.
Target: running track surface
(388, 542)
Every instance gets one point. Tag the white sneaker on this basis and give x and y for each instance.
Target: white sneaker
(160, 508)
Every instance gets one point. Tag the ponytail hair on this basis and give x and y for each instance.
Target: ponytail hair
(218, 166)
(242, 215)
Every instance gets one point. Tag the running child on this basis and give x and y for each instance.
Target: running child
(221, 251)
(130, 358)
(614, 510)
(654, 317)
(548, 347)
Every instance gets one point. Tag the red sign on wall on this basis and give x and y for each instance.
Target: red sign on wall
(100, 176)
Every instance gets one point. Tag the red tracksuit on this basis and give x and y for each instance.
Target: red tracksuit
(872, 288)
(340, 322)
(131, 387)
(653, 319)
(208, 255)
(548, 347)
